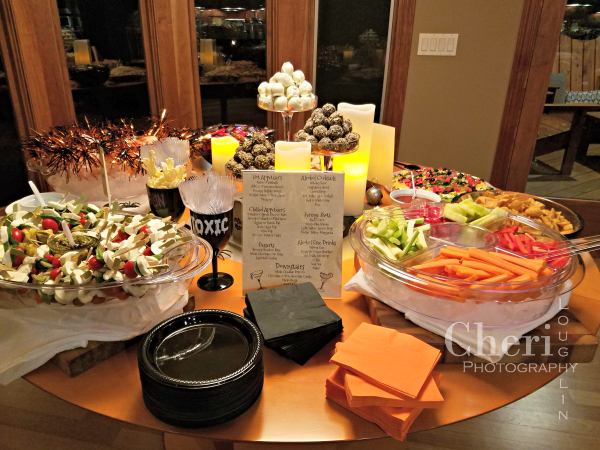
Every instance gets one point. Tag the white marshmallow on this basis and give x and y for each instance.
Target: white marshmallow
(264, 88)
(280, 103)
(292, 91)
(285, 80)
(305, 88)
(306, 102)
(298, 77)
(274, 78)
(295, 103)
(287, 68)
(277, 89)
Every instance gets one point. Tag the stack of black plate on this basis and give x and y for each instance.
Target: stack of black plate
(201, 368)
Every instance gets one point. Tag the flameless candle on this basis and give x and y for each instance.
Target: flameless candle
(356, 165)
(381, 166)
(223, 149)
(292, 156)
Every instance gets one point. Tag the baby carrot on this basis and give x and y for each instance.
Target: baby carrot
(499, 262)
(485, 266)
(532, 264)
(453, 253)
(438, 263)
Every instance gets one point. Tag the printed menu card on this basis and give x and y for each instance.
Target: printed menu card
(293, 226)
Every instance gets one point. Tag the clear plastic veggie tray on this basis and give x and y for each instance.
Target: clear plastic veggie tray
(180, 260)
(405, 284)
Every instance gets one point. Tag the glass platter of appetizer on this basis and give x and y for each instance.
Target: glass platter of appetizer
(114, 255)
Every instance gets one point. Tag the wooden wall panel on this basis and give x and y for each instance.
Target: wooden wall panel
(36, 65)
(399, 58)
(588, 65)
(290, 37)
(532, 66)
(565, 58)
(172, 60)
(576, 65)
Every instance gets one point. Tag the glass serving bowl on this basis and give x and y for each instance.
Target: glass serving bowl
(452, 300)
(261, 105)
(185, 261)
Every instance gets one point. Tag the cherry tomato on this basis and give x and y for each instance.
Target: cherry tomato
(18, 259)
(147, 251)
(50, 224)
(122, 295)
(34, 271)
(49, 258)
(55, 273)
(81, 215)
(82, 221)
(17, 235)
(117, 240)
(145, 230)
(129, 270)
(38, 299)
(95, 264)
(122, 235)
(23, 291)
(98, 300)
(56, 263)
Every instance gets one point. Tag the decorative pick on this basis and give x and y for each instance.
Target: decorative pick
(37, 194)
(105, 185)
(412, 177)
(68, 234)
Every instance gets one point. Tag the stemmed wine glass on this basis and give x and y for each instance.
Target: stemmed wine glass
(216, 230)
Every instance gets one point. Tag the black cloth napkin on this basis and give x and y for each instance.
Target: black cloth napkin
(294, 320)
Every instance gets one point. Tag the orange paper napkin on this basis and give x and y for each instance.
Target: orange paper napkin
(394, 421)
(363, 393)
(395, 362)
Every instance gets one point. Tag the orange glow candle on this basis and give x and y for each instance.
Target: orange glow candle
(292, 156)
(356, 165)
(223, 149)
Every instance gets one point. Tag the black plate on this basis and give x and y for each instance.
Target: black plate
(201, 368)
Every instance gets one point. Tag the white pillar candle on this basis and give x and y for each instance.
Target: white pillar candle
(356, 165)
(292, 156)
(381, 166)
(222, 149)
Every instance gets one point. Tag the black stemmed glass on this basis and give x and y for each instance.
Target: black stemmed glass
(216, 230)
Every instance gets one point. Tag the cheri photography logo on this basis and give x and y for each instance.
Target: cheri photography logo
(512, 349)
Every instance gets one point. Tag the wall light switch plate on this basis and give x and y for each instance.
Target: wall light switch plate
(437, 44)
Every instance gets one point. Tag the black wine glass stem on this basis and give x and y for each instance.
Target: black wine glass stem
(215, 265)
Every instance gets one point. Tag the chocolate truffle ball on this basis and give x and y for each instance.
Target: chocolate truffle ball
(237, 170)
(328, 109)
(335, 132)
(247, 145)
(259, 149)
(258, 138)
(335, 119)
(271, 167)
(238, 156)
(247, 159)
(309, 126)
(301, 136)
(347, 126)
(316, 111)
(252, 168)
(318, 120)
(320, 132)
(231, 164)
(271, 158)
(269, 146)
(312, 140)
(341, 143)
(352, 139)
(261, 162)
(326, 144)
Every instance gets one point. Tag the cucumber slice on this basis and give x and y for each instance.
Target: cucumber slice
(100, 255)
(137, 268)
(45, 297)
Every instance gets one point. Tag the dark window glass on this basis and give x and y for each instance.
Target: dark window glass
(351, 51)
(232, 53)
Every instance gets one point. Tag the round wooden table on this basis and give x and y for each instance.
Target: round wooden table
(293, 407)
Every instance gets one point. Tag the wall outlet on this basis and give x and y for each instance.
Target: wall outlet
(437, 44)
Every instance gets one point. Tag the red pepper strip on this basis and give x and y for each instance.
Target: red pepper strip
(539, 246)
(521, 246)
(506, 230)
(506, 243)
(530, 237)
(528, 244)
(515, 228)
